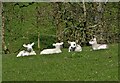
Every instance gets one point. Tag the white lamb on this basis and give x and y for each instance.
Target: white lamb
(29, 51)
(96, 46)
(29, 47)
(78, 48)
(25, 53)
(54, 50)
(74, 47)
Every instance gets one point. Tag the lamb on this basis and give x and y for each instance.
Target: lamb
(29, 47)
(96, 46)
(29, 51)
(74, 47)
(54, 50)
(25, 53)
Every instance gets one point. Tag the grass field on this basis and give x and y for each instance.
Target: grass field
(87, 65)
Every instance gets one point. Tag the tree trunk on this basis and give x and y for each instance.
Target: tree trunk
(100, 22)
(4, 47)
(85, 22)
(38, 14)
(98, 19)
(38, 40)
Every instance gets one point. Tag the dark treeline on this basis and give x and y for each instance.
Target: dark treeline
(46, 23)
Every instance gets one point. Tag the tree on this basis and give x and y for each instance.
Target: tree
(58, 14)
(37, 24)
(4, 47)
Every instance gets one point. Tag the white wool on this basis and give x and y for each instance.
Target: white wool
(77, 47)
(29, 46)
(53, 50)
(27, 53)
(22, 53)
(103, 46)
(72, 44)
(96, 46)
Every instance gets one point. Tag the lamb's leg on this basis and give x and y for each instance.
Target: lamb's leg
(20, 54)
(69, 49)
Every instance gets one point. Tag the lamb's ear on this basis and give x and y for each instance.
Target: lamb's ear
(61, 42)
(32, 44)
(24, 45)
(69, 42)
(76, 41)
(94, 36)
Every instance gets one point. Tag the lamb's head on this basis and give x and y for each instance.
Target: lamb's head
(29, 47)
(93, 41)
(73, 45)
(58, 45)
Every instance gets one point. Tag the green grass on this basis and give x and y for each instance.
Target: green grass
(87, 65)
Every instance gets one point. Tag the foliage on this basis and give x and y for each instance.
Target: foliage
(59, 22)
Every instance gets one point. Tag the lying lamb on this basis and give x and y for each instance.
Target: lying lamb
(29, 47)
(54, 50)
(74, 47)
(29, 51)
(26, 53)
(96, 46)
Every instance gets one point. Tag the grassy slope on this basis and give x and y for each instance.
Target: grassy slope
(87, 65)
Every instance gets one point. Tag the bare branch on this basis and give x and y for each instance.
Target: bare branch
(93, 26)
